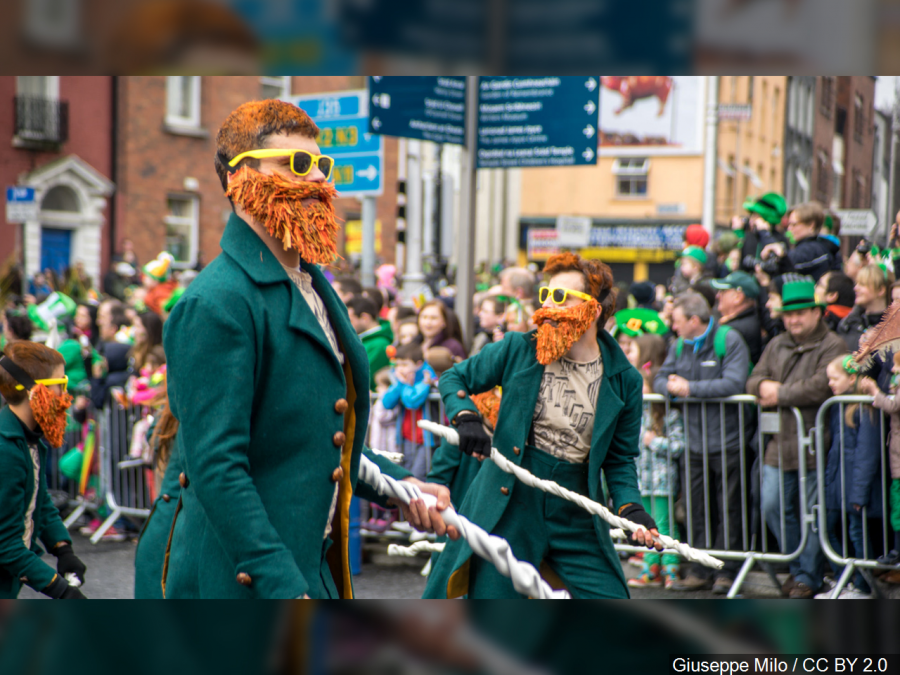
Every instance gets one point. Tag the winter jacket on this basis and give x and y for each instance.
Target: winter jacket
(411, 397)
(811, 256)
(834, 314)
(850, 436)
(891, 405)
(441, 340)
(709, 378)
(747, 324)
(657, 473)
(376, 342)
(855, 324)
(862, 461)
(800, 368)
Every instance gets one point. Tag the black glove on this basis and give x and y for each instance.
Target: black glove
(59, 589)
(473, 439)
(637, 514)
(67, 561)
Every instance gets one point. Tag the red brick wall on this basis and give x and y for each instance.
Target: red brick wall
(858, 148)
(823, 140)
(153, 163)
(90, 138)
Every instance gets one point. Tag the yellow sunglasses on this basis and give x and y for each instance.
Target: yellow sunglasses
(559, 295)
(48, 382)
(302, 161)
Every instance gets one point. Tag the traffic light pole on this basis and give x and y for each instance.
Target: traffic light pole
(465, 242)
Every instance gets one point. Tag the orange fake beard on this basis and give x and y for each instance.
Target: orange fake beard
(555, 341)
(49, 412)
(277, 203)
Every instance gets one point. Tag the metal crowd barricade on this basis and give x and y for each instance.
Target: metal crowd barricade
(753, 550)
(850, 564)
(122, 477)
(436, 413)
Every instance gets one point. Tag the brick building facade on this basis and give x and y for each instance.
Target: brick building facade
(58, 140)
(170, 197)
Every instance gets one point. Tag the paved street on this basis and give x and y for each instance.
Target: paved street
(111, 576)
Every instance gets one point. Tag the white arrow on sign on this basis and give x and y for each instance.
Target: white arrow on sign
(591, 84)
(369, 172)
(376, 123)
(377, 78)
(590, 107)
(588, 154)
(367, 136)
(588, 131)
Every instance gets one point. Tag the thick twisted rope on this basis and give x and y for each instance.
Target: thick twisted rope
(524, 576)
(415, 549)
(688, 552)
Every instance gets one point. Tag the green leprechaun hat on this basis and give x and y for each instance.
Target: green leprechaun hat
(798, 292)
(638, 321)
(771, 207)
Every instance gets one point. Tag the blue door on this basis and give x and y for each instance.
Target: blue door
(56, 247)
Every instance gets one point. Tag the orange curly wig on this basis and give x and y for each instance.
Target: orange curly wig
(598, 279)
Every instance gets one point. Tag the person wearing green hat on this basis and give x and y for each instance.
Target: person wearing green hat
(791, 373)
(810, 254)
(736, 299)
(691, 270)
(758, 229)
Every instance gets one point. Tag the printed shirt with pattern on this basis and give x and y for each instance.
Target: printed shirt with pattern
(564, 414)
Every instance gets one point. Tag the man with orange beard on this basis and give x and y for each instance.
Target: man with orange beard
(571, 408)
(269, 382)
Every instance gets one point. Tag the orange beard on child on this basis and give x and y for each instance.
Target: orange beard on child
(49, 412)
(555, 341)
(277, 203)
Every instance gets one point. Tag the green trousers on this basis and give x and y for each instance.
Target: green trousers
(541, 527)
(658, 508)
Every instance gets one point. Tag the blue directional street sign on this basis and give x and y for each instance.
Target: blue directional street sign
(343, 120)
(425, 108)
(537, 121)
(20, 204)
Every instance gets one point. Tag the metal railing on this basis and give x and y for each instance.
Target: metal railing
(753, 538)
(842, 561)
(41, 119)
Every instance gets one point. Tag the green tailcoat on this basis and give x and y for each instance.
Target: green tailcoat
(265, 431)
(512, 365)
(150, 554)
(20, 555)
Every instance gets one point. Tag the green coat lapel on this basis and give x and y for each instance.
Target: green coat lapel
(242, 244)
(609, 405)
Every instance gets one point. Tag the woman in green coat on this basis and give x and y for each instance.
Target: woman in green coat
(571, 411)
(32, 381)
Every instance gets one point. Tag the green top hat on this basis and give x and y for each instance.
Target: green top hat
(696, 253)
(771, 207)
(638, 321)
(738, 279)
(798, 292)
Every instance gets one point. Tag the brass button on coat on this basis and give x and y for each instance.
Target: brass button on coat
(337, 474)
(504, 490)
(461, 393)
(340, 406)
(183, 479)
(338, 439)
(244, 579)
(517, 451)
(166, 498)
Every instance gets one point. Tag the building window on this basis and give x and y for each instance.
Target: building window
(859, 119)
(826, 101)
(823, 178)
(857, 190)
(750, 90)
(54, 24)
(183, 101)
(275, 87)
(182, 229)
(40, 116)
(631, 176)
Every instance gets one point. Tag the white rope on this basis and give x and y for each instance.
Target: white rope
(525, 578)
(395, 457)
(415, 549)
(687, 552)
